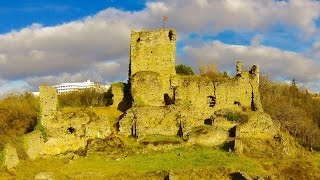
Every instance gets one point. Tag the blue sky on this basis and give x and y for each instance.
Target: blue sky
(54, 41)
(17, 14)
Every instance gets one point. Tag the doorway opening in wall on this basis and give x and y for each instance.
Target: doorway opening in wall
(167, 99)
(232, 131)
(211, 101)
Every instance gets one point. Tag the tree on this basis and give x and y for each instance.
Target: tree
(209, 70)
(184, 70)
(294, 84)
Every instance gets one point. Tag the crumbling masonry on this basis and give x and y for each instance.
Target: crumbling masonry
(60, 132)
(157, 101)
(154, 81)
(168, 104)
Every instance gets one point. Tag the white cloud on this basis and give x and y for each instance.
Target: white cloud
(98, 45)
(3, 58)
(215, 16)
(256, 40)
(271, 60)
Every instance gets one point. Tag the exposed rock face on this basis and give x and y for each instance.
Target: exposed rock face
(10, 157)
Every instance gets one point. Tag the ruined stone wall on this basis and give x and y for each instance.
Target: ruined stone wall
(48, 102)
(141, 121)
(202, 93)
(154, 51)
(234, 93)
(65, 130)
(117, 91)
(193, 91)
(69, 131)
(147, 89)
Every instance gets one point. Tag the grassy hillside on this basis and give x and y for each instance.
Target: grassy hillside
(295, 110)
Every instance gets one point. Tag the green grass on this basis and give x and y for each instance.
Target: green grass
(194, 161)
(141, 163)
(173, 160)
(160, 139)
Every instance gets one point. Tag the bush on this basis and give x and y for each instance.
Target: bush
(18, 115)
(184, 70)
(294, 109)
(83, 98)
(211, 71)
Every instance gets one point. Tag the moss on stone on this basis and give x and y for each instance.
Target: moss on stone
(43, 131)
(236, 117)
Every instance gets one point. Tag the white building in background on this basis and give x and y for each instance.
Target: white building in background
(35, 93)
(68, 87)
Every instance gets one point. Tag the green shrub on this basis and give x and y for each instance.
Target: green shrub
(18, 115)
(83, 98)
(236, 117)
(184, 70)
(43, 131)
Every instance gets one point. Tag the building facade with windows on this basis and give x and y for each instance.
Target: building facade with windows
(69, 87)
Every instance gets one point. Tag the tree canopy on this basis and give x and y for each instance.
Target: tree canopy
(184, 70)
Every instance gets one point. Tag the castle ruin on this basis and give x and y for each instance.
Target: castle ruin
(157, 101)
(154, 81)
(165, 103)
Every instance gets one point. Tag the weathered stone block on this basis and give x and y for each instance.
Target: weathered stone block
(147, 89)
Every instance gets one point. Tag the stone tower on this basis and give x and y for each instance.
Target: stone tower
(154, 51)
(48, 102)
